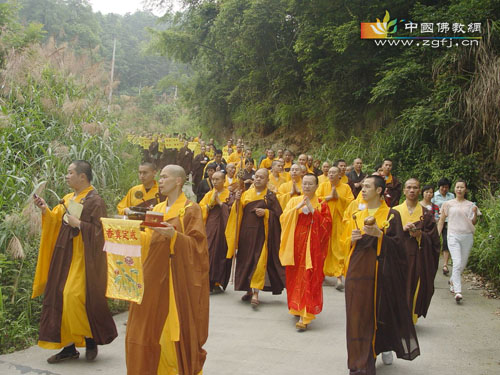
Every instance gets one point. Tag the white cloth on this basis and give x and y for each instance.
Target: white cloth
(460, 216)
(460, 246)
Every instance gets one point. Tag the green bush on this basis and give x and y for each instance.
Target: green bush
(485, 255)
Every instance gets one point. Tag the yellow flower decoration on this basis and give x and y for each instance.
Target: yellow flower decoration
(386, 223)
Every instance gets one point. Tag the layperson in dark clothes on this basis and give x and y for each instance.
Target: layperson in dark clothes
(421, 242)
(378, 317)
(185, 157)
(215, 209)
(205, 185)
(219, 163)
(356, 176)
(199, 163)
(248, 173)
(254, 229)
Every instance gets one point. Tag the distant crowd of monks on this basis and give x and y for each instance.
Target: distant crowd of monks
(280, 223)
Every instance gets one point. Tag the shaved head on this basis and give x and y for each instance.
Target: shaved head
(176, 171)
(148, 165)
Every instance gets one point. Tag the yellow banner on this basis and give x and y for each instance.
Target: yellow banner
(127, 232)
(123, 247)
(173, 143)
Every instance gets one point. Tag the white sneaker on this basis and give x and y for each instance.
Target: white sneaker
(458, 298)
(387, 358)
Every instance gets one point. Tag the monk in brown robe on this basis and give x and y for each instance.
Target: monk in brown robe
(377, 314)
(421, 242)
(72, 270)
(254, 229)
(167, 331)
(215, 209)
(185, 157)
(393, 185)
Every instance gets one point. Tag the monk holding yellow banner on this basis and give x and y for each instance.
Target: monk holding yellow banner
(123, 247)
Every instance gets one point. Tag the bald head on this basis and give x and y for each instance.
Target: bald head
(260, 179)
(302, 159)
(176, 171)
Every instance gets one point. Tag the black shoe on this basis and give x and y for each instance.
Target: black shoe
(91, 349)
(68, 352)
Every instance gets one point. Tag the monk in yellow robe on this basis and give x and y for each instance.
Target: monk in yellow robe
(302, 160)
(144, 195)
(306, 226)
(324, 168)
(378, 319)
(268, 161)
(341, 164)
(275, 177)
(338, 196)
(237, 156)
(215, 209)
(167, 331)
(231, 181)
(288, 159)
(253, 229)
(71, 271)
(291, 188)
(421, 243)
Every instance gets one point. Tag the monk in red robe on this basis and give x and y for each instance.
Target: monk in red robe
(306, 225)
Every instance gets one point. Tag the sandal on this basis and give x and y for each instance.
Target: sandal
(62, 356)
(254, 302)
(446, 271)
(247, 297)
(301, 327)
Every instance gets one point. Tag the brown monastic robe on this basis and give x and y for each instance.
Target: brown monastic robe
(101, 322)
(251, 240)
(369, 286)
(189, 265)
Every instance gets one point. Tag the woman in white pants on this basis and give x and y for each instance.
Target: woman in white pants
(462, 217)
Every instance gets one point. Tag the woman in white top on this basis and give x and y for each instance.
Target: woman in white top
(462, 217)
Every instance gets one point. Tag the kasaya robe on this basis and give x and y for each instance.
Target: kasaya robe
(322, 178)
(377, 315)
(284, 192)
(393, 190)
(287, 166)
(138, 196)
(167, 331)
(303, 249)
(71, 273)
(344, 180)
(185, 159)
(422, 257)
(266, 163)
(355, 178)
(215, 219)
(257, 240)
(334, 263)
(274, 183)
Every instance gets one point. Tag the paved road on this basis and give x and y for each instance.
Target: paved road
(454, 340)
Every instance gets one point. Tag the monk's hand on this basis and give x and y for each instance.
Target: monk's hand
(356, 235)
(409, 227)
(237, 195)
(372, 230)
(73, 221)
(301, 204)
(260, 212)
(168, 231)
(334, 193)
(416, 233)
(308, 204)
(40, 203)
